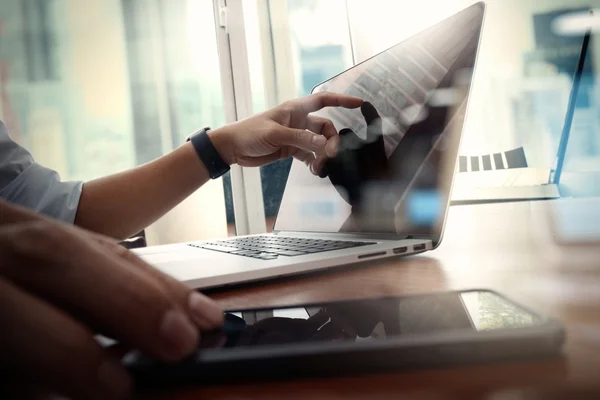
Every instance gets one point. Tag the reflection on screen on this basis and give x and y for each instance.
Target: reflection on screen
(489, 312)
(373, 319)
(399, 149)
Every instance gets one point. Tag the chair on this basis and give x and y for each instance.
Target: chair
(514, 159)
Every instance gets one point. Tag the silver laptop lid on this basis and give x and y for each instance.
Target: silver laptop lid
(393, 172)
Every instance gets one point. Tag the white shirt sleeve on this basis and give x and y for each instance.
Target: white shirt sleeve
(28, 184)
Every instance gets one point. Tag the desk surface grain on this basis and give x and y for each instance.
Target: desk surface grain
(507, 247)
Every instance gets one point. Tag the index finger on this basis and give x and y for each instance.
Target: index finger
(317, 101)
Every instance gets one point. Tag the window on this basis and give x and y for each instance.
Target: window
(524, 72)
(288, 56)
(93, 88)
(519, 93)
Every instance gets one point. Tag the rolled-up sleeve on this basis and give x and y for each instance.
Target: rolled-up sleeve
(26, 183)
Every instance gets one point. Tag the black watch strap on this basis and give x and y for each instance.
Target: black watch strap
(208, 154)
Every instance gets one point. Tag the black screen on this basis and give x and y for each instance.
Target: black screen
(371, 319)
(397, 153)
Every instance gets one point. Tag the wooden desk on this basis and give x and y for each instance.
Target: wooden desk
(499, 246)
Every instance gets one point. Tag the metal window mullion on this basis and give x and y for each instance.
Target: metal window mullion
(237, 97)
(360, 41)
(282, 51)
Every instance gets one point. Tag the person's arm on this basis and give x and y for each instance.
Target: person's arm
(125, 203)
(33, 186)
(121, 205)
(61, 285)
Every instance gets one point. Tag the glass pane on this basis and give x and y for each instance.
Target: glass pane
(315, 57)
(321, 41)
(520, 92)
(93, 88)
(581, 170)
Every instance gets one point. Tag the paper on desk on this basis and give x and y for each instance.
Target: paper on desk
(503, 177)
(515, 183)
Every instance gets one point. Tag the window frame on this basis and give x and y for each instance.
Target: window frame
(248, 204)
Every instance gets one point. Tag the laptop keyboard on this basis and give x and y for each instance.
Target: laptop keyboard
(271, 247)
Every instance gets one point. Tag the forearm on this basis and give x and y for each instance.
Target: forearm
(123, 204)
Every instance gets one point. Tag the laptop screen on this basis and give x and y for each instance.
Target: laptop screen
(397, 153)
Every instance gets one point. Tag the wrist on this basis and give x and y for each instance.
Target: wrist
(220, 138)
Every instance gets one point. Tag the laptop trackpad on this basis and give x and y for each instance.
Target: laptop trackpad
(186, 266)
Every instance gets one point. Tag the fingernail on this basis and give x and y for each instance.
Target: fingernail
(205, 312)
(179, 333)
(114, 380)
(319, 140)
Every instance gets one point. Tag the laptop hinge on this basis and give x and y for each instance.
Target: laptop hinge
(349, 235)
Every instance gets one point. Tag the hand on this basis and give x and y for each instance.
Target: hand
(287, 130)
(358, 161)
(60, 285)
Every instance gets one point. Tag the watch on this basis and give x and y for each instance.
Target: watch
(208, 153)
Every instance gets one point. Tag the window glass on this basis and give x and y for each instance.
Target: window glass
(312, 44)
(95, 87)
(520, 92)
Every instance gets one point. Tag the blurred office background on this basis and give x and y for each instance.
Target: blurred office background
(95, 87)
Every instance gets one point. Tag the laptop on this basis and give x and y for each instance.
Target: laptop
(385, 194)
(514, 184)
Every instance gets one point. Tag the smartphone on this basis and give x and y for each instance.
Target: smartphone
(360, 336)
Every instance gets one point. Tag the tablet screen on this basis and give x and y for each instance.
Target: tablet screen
(372, 319)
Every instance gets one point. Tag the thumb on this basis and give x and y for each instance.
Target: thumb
(299, 138)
